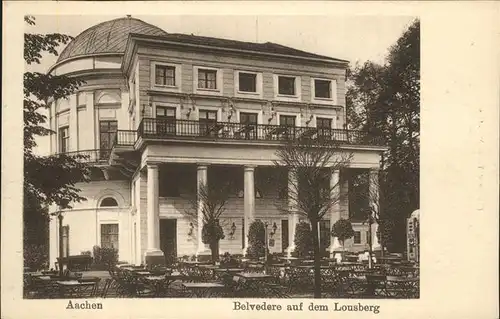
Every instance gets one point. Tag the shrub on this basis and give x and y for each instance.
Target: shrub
(256, 240)
(342, 229)
(86, 253)
(35, 256)
(303, 240)
(105, 258)
(211, 231)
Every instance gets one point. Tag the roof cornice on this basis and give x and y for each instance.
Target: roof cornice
(81, 56)
(135, 38)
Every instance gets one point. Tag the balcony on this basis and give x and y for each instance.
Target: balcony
(91, 157)
(160, 129)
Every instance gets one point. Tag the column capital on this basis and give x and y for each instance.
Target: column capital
(152, 165)
(202, 166)
(248, 168)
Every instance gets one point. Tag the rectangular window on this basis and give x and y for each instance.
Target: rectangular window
(109, 236)
(166, 120)
(289, 122)
(286, 85)
(357, 237)
(165, 75)
(207, 79)
(249, 128)
(107, 134)
(207, 121)
(247, 82)
(324, 126)
(65, 240)
(64, 139)
(322, 89)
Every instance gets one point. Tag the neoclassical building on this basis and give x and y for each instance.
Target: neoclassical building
(161, 112)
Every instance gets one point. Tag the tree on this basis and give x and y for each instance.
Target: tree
(310, 164)
(48, 180)
(303, 240)
(385, 100)
(256, 239)
(342, 229)
(211, 203)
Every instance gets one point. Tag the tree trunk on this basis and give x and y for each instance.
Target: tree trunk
(317, 260)
(214, 248)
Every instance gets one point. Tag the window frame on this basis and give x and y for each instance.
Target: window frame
(64, 139)
(177, 87)
(354, 238)
(111, 234)
(167, 70)
(108, 132)
(218, 81)
(297, 88)
(248, 94)
(333, 91)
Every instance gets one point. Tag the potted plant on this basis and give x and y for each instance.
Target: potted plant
(256, 240)
(303, 240)
(342, 229)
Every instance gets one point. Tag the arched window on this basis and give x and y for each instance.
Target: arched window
(109, 202)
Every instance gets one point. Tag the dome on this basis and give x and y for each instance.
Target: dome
(107, 37)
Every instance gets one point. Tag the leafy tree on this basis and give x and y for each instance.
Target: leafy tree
(48, 180)
(310, 164)
(385, 100)
(211, 203)
(256, 239)
(342, 229)
(303, 240)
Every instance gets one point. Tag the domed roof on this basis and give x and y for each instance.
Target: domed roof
(107, 37)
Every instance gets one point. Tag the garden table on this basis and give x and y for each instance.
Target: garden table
(219, 272)
(252, 282)
(203, 289)
(161, 284)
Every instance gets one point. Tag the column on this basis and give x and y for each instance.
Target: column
(335, 211)
(91, 131)
(293, 217)
(374, 204)
(201, 178)
(248, 201)
(73, 123)
(153, 253)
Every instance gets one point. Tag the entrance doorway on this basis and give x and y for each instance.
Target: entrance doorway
(168, 239)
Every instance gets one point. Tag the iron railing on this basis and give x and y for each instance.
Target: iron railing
(169, 128)
(96, 156)
(125, 138)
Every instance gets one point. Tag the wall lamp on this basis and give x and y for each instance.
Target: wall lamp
(191, 229)
(274, 228)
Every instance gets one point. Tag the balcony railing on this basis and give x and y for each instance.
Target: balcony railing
(166, 128)
(125, 138)
(91, 156)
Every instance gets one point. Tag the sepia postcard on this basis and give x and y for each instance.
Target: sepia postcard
(180, 159)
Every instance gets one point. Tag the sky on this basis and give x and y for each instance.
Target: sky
(355, 38)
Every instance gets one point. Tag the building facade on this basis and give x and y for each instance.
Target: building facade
(161, 112)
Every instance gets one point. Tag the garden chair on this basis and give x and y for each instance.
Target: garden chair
(376, 286)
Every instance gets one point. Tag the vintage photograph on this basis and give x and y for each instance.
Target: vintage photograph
(221, 157)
